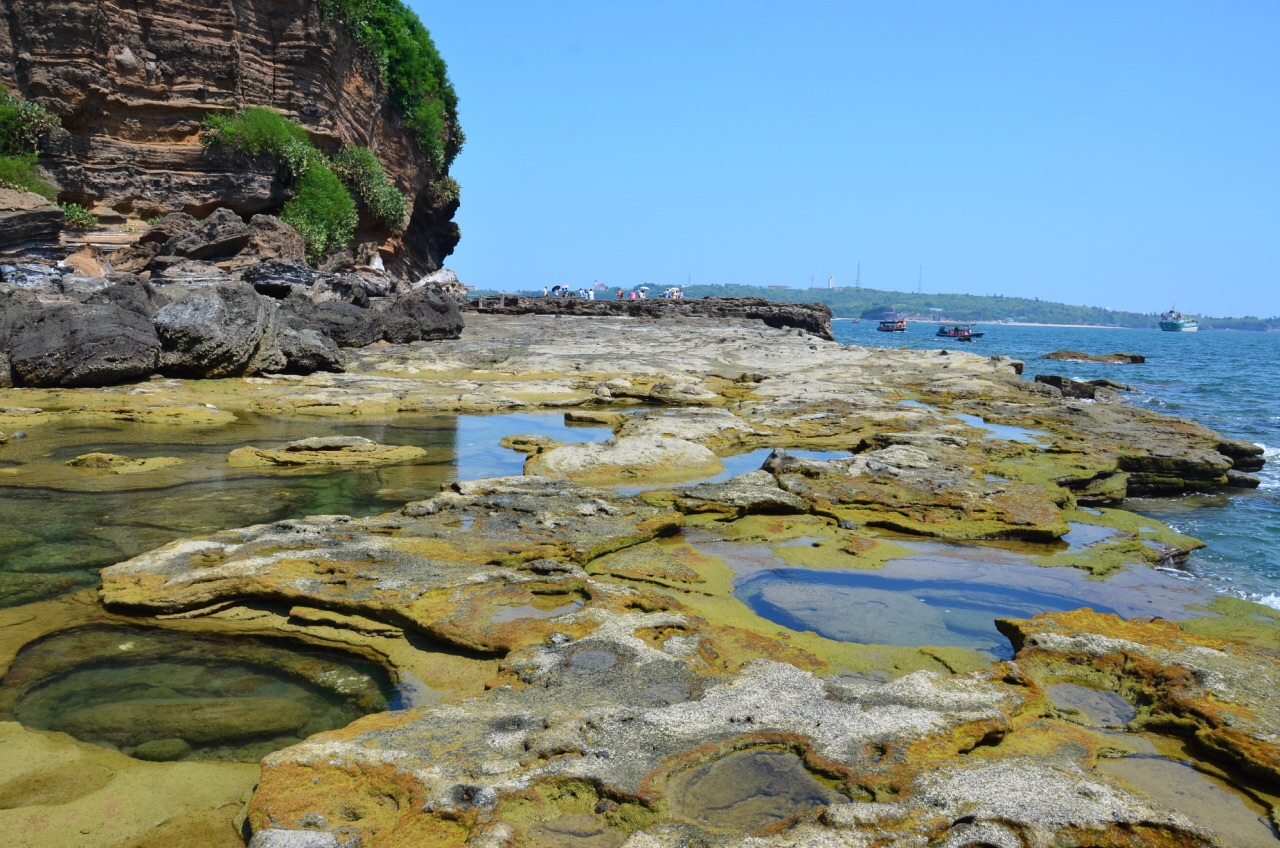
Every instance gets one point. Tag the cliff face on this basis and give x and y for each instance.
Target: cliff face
(132, 80)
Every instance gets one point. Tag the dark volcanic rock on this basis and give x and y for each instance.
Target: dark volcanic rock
(212, 332)
(347, 324)
(307, 351)
(81, 345)
(814, 318)
(1115, 358)
(169, 227)
(1076, 389)
(423, 314)
(27, 219)
(276, 278)
(129, 292)
(220, 235)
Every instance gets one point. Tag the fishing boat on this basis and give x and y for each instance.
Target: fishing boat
(891, 322)
(1174, 321)
(959, 332)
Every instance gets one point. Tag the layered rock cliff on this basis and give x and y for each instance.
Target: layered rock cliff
(132, 81)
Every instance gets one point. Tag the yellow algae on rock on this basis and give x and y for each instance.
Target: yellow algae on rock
(326, 450)
(57, 792)
(116, 464)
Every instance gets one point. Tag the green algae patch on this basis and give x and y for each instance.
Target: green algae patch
(573, 814)
(1238, 620)
(1135, 540)
(833, 548)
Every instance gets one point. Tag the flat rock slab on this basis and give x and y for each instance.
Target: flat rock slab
(637, 459)
(326, 450)
(115, 464)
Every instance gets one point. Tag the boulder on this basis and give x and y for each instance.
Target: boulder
(307, 351)
(271, 238)
(447, 283)
(81, 345)
(1075, 388)
(168, 228)
(347, 324)
(222, 234)
(211, 332)
(129, 292)
(135, 257)
(27, 219)
(277, 277)
(425, 314)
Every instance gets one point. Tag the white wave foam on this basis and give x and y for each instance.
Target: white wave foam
(1272, 600)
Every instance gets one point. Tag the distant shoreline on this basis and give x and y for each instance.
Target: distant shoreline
(1003, 324)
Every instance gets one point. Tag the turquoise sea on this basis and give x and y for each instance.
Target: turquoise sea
(1220, 379)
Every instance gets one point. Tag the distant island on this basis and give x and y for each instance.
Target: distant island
(868, 303)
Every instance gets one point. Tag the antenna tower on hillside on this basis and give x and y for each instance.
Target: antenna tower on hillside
(920, 281)
(857, 282)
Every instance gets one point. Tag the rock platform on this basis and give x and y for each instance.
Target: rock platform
(601, 683)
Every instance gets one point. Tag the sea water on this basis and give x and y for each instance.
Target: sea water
(1219, 379)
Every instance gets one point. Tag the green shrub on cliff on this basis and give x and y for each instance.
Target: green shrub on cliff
(19, 172)
(364, 175)
(22, 123)
(78, 217)
(321, 210)
(260, 132)
(415, 75)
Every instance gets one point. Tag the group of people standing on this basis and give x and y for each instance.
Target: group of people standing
(565, 291)
(590, 294)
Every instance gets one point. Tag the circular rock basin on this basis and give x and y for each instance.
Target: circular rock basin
(871, 609)
(748, 790)
(163, 695)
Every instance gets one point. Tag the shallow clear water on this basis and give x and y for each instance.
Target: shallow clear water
(61, 525)
(870, 608)
(1223, 380)
(165, 695)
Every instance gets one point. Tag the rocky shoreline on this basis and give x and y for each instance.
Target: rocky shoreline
(601, 683)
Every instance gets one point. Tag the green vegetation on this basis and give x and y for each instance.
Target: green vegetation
(260, 132)
(363, 174)
(411, 68)
(19, 172)
(78, 217)
(22, 124)
(322, 211)
(323, 206)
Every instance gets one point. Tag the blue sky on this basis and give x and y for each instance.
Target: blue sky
(1105, 154)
